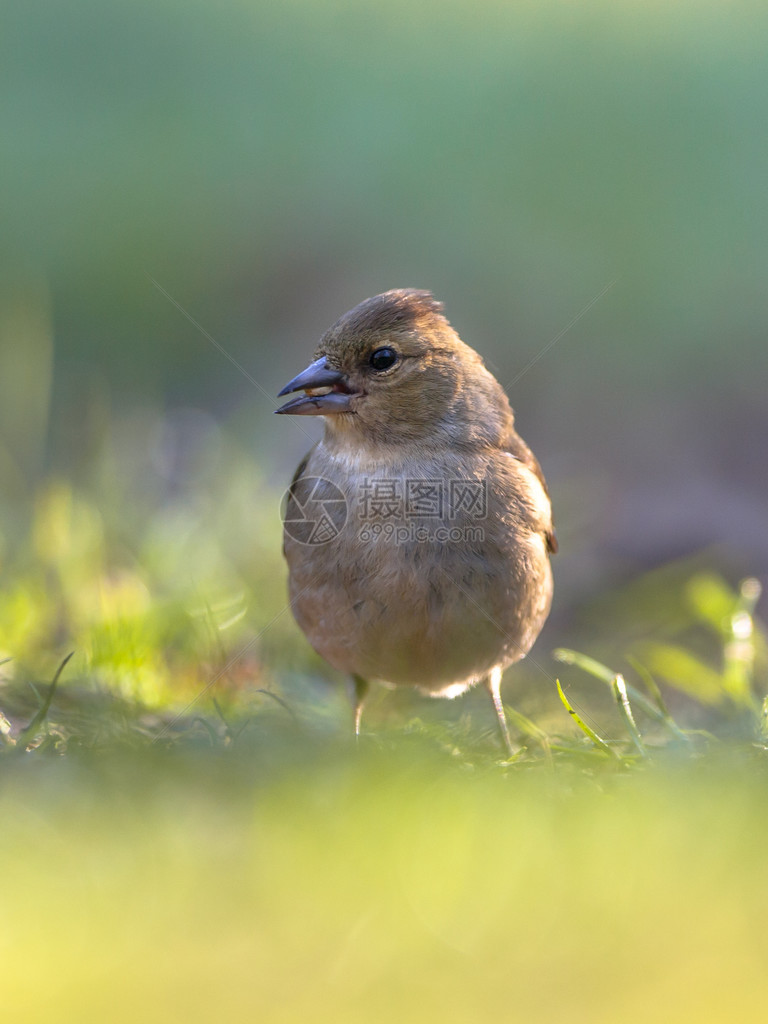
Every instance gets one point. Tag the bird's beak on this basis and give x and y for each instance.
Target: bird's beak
(326, 391)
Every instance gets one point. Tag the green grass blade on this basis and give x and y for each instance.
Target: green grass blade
(30, 731)
(583, 661)
(620, 693)
(528, 728)
(600, 743)
(652, 686)
(739, 647)
(607, 675)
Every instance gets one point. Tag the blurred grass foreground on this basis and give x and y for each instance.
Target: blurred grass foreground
(373, 888)
(187, 830)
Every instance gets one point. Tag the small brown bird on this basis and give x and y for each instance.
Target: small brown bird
(418, 531)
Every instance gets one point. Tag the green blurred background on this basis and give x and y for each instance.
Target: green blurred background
(584, 186)
(269, 165)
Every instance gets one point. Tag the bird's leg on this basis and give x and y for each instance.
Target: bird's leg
(359, 693)
(492, 683)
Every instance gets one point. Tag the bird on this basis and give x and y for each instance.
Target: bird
(418, 530)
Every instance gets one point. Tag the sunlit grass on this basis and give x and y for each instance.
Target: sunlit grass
(370, 885)
(188, 831)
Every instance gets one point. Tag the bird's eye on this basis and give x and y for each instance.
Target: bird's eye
(383, 358)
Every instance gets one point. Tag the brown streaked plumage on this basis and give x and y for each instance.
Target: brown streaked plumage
(438, 576)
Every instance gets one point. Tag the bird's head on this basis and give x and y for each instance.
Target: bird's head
(393, 370)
